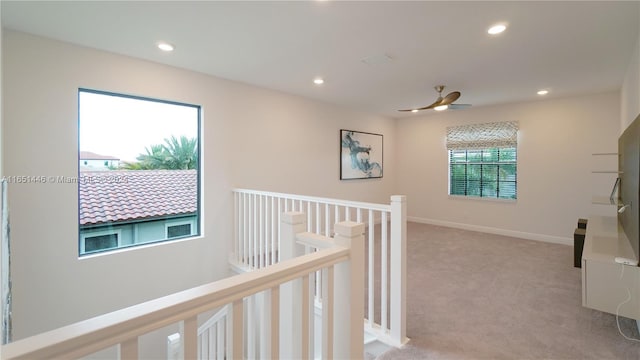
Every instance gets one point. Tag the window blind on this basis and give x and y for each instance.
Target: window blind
(483, 136)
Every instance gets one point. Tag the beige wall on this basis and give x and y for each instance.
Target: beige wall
(630, 99)
(555, 183)
(251, 137)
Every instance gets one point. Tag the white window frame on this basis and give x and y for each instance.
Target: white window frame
(475, 197)
(169, 224)
(84, 236)
(482, 137)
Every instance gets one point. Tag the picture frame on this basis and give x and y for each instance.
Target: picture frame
(361, 155)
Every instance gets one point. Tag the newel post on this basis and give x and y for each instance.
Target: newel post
(398, 269)
(349, 293)
(292, 223)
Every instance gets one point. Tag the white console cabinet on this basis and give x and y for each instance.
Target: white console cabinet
(603, 288)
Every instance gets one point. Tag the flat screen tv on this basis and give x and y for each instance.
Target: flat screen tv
(629, 196)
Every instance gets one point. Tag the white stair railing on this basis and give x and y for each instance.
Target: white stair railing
(283, 334)
(212, 335)
(256, 245)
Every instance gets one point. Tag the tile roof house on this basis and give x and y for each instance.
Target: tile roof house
(92, 161)
(126, 195)
(129, 207)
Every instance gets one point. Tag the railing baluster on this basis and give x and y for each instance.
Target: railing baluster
(359, 215)
(383, 273)
(204, 347)
(264, 313)
(236, 221)
(305, 317)
(312, 314)
(261, 246)
(236, 330)
(129, 349)
(309, 217)
(275, 322)
(251, 230)
(327, 313)
(318, 215)
(273, 232)
(370, 273)
(347, 213)
(220, 332)
(207, 350)
(319, 286)
(256, 264)
(245, 232)
(267, 231)
(327, 216)
(251, 326)
(279, 226)
(191, 337)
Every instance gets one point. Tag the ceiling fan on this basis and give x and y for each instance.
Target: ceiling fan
(443, 103)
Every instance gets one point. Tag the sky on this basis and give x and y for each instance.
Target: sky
(122, 127)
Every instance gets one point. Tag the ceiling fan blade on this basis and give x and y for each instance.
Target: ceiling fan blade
(436, 103)
(451, 97)
(458, 106)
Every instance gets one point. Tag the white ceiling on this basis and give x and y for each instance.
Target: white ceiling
(569, 48)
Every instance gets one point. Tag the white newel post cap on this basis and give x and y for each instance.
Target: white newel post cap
(349, 229)
(293, 218)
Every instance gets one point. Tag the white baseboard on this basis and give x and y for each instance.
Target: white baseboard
(497, 231)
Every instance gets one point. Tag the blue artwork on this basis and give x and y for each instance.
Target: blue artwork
(361, 155)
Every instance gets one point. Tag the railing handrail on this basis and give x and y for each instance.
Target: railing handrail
(88, 336)
(322, 200)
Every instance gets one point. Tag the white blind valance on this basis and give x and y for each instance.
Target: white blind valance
(483, 136)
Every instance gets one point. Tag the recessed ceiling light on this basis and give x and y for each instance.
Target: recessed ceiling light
(318, 81)
(414, 110)
(497, 29)
(164, 46)
(441, 107)
(543, 92)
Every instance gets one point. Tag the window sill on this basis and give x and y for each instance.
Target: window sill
(139, 247)
(477, 198)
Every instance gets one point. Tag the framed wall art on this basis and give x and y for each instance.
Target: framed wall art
(360, 155)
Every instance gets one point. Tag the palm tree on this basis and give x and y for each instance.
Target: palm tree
(174, 154)
(181, 154)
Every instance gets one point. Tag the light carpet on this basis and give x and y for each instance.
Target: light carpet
(473, 295)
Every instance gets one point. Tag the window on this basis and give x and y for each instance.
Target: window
(96, 241)
(483, 160)
(177, 229)
(154, 181)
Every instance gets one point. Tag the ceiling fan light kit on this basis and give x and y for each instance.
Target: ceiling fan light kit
(442, 103)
